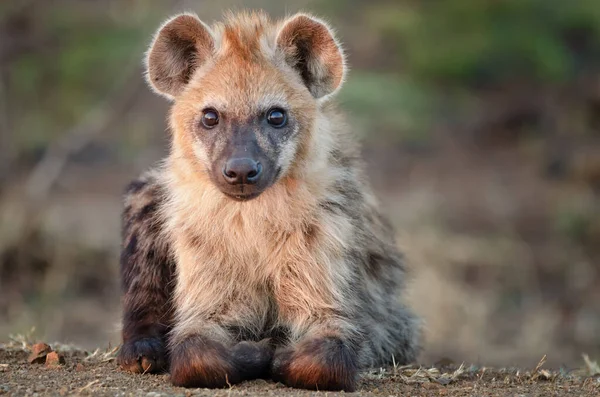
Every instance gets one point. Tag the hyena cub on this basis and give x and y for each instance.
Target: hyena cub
(257, 248)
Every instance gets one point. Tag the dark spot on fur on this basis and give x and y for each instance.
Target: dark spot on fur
(240, 333)
(135, 186)
(336, 154)
(278, 335)
(131, 246)
(126, 266)
(374, 264)
(311, 233)
(333, 207)
(349, 190)
(342, 159)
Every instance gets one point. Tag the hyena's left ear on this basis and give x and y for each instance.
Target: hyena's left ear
(310, 47)
(181, 45)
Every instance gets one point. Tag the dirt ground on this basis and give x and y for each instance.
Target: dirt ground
(96, 373)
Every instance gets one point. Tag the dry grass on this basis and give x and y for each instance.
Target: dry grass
(592, 366)
(24, 342)
(411, 374)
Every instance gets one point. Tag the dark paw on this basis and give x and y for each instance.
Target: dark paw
(317, 364)
(199, 362)
(253, 359)
(146, 355)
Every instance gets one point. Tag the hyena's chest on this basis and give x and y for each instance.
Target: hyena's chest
(257, 279)
(231, 276)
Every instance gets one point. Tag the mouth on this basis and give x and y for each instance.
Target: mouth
(242, 196)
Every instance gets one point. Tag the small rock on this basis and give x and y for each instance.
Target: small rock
(443, 381)
(39, 351)
(54, 359)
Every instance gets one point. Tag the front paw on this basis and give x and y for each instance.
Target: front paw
(317, 364)
(199, 362)
(145, 355)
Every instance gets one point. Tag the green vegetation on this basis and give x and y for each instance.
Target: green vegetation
(70, 59)
(388, 107)
(483, 41)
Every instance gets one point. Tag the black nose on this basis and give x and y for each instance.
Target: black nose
(242, 170)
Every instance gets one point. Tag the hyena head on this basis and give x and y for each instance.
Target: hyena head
(246, 94)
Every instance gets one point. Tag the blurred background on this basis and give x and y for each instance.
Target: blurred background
(481, 129)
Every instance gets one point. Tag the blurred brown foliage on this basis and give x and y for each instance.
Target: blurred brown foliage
(481, 128)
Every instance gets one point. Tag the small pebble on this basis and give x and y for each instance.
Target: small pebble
(39, 351)
(54, 359)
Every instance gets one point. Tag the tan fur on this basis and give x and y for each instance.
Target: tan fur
(270, 234)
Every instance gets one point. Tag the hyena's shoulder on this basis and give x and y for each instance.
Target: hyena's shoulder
(372, 245)
(144, 200)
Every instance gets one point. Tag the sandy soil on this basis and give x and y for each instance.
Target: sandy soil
(97, 374)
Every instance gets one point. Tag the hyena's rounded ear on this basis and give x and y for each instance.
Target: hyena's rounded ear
(180, 46)
(311, 48)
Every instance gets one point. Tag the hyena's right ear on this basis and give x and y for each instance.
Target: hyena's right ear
(180, 46)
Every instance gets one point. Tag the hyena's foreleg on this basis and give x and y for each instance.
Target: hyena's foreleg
(323, 351)
(204, 350)
(324, 359)
(147, 277)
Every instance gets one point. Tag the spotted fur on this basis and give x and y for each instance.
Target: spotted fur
(147, 272)
(305, 274)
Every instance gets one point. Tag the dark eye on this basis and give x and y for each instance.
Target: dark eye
(276, 117)
(210, 118)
